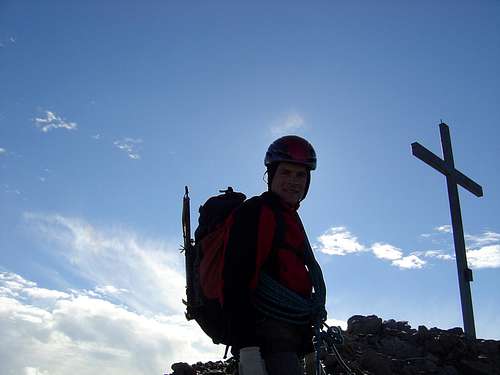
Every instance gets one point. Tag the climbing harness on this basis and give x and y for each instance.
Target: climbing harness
(331, 337)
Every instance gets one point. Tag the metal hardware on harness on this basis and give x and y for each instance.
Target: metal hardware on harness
(331, 337)
(317, 347)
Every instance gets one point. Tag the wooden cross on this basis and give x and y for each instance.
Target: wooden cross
(454, 178)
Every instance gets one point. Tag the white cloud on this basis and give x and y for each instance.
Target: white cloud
(429, 253)
(486, 238)
(34, 371)
(386, 251)
(42, 293)
(110, 290)
(395, 255)
(52, 121)
(339, 241)
(151, 271)
(337, 323)
(483, 251)
(14, 191)
(485, 257)
(130, 321)
(438, 254)
(130, 146)
(2, 151)
(15, 281)
(10, 40)
(444, 229)
(73, 333)
(287, 125)
(409, 262)
(445, 257)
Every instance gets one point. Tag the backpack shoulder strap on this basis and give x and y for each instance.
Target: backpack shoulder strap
(271, 263)
(271, 203)
(279, 235)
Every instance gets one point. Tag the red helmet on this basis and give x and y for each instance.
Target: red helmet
(291, 149)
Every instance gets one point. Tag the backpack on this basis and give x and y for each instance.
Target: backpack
(205, 262)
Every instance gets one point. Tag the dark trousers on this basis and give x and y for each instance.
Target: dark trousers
(283, 346)
(284, 363)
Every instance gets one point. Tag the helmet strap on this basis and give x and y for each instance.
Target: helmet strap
(307, 185)
(271, 171)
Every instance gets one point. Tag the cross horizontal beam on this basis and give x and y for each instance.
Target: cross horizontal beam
(430, 158)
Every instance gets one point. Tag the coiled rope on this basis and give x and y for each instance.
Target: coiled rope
(277, 301)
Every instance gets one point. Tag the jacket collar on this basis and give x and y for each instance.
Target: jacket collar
(274, 200)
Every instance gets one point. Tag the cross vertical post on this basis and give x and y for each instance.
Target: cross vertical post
(454, 178)
(464, 272)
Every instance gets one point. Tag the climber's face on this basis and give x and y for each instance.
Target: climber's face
(289, 182)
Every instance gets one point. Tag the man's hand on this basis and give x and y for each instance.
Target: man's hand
(251, 362)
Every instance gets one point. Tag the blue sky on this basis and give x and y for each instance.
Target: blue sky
(108, 110)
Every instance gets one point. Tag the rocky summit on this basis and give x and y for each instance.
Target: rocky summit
(375, 347)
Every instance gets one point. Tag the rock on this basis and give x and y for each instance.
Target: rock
(429, 367)
(374, 362)
(397, 348)
(448, 342)
(477, 368)
(433, 346)
(420, 335)
(435, 331)
(391, 347)
(391, 324)
(448, 370)
(432, 357)
(490, 347)
(423, 331)
(361, 325)
(456, 331)
(403, 326)
(182, 368)
(391, 331)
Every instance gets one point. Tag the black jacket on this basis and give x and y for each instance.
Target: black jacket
(265, 235)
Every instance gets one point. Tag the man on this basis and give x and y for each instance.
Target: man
(268, 256)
